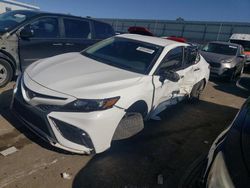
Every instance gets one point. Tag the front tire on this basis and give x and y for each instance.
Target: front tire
(6, 73)
(130, 125)
(232, 76)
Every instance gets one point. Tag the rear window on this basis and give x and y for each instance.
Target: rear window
(103, 30)
(244, 43)
(223, 49)
(77, 29)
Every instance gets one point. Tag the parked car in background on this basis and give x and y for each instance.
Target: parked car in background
(243, 40)
(140, 30)
(27, 36)
(147, 32)
(177, 39)
(226, 59)
(105, 92)
(228, 161)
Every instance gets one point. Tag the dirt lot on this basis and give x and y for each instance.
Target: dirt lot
(165, 147)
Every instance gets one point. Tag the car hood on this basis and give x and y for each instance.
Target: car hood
(80, 76)
(217, 58)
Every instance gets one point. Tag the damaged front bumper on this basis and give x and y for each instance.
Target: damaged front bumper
(77, 132)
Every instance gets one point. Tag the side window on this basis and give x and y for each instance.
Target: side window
(45, 28)
(77, 29)
(191, 55)
(173, 59)
(103, 30)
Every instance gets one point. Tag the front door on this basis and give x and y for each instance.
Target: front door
(45, 42)
(167, 92)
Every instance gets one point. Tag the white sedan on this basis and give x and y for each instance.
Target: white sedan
(80, 102)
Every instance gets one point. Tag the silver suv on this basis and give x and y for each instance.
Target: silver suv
(225, 59)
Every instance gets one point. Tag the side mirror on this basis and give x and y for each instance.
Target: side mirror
(26, 33)
(169, 75)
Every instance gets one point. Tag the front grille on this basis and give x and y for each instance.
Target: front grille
(47, 108)
(32, 94)
(215, 65)
(28, 114)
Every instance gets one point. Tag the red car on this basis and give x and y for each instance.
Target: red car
(140, 30)
(145, 31)
(174, 38)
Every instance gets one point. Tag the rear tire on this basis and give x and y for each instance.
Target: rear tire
(193, 176)
(197, 90)
(6, 72)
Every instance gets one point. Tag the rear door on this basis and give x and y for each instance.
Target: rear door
(78, 34)
(191, 72)
(46, 41)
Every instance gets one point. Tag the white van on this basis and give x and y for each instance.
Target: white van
(244, 40)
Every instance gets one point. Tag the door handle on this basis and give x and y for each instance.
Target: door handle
(57, 44)
(69, 44)
(197, 69)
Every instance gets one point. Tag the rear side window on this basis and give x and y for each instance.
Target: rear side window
(45, 28)
(191, 55)
(77, 29)
(103, 30)
(173, 59)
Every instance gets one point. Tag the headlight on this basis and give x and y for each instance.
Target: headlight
(218, 176)
(226, 61)
(89, 105)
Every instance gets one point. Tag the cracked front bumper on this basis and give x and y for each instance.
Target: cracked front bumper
(76, 132)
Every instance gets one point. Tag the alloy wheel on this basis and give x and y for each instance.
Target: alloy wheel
(3, 74)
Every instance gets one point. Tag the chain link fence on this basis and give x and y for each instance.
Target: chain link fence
(192, 30)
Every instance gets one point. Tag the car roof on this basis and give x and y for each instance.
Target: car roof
(225, 43)
(38, 13)
(240, 36)
(150, 39)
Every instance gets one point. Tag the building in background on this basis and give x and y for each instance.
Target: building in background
(8, 5)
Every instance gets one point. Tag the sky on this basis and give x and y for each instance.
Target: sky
(192, 10)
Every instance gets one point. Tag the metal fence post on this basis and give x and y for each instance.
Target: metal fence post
(183, 29)
(204, 33)
(218, 35)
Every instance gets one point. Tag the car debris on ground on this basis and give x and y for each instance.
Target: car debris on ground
(9, 151)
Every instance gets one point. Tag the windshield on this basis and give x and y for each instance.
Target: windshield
(10, 20)
(125, 53)
(244, 43)
(220, 49)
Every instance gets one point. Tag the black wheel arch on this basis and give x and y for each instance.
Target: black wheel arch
(139, 107)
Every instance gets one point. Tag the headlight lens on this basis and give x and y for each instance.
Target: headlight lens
(218, 176)
(226, 61)
(88, 105)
